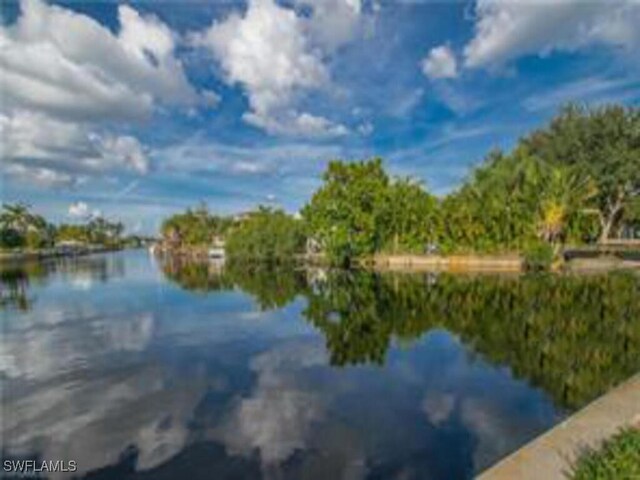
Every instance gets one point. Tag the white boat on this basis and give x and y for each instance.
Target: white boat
(216, 252)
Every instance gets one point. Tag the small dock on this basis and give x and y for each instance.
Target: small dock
(624, 249)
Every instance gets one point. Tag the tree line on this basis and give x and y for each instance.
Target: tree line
(20, 227)
(574, 181)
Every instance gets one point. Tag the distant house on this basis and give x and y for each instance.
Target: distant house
(313, 246)
(172, 238)
(630, 232)
(242, 216)
(70, 244)
(216, 253)
(217, 242)
(217, 248)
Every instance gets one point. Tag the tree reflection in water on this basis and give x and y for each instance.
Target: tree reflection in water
(574, 336)
(14, 287)
(271, 286)
(150, 380)
(17, 276)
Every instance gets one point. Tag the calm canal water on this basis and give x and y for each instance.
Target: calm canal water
(142, 369)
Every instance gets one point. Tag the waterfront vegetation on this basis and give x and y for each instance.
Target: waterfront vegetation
(194, 228)
(574, 336)
(573, 182)
(576, 181)
(618, 458)
(266, 235)
(23, 229)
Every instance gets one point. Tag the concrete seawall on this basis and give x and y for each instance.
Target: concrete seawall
(507, 263)
(550, 456)
(451, 263)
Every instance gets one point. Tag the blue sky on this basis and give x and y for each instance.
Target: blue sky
(139, 110)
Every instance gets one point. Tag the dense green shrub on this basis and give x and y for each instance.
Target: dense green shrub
(195, 227)
(538, 256)
(345, 215)
(360, 210)
(11, 238)
(617, 459)
(266, 235)
(35, 240)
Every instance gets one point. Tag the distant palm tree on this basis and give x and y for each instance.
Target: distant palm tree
(18, 217)
(19, 226)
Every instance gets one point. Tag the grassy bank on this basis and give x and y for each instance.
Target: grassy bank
(617, 459)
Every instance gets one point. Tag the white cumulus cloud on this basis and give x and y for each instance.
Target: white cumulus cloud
(332, 23)
(440, 63)
(298, 123)
(78, 210)
(66, 64)
(507, 29)
(267, 50)
(67, 79)
(49, 151)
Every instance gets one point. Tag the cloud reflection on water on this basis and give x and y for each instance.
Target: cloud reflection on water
(213, 381)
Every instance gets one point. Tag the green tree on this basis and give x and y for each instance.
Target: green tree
(19, 226)
(266, 235)
(11, 238)
(345, 214)
(631, 218)
(195, 227)
(104, 232)
(603, 143)
(495, 209)
(410, 217)
(72, 232)
(512, 201)
(564, 194)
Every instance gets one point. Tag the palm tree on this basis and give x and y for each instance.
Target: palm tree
(16, 217)
(22, 225)
(565, 193)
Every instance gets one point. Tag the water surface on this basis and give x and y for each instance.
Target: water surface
(137, 368)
